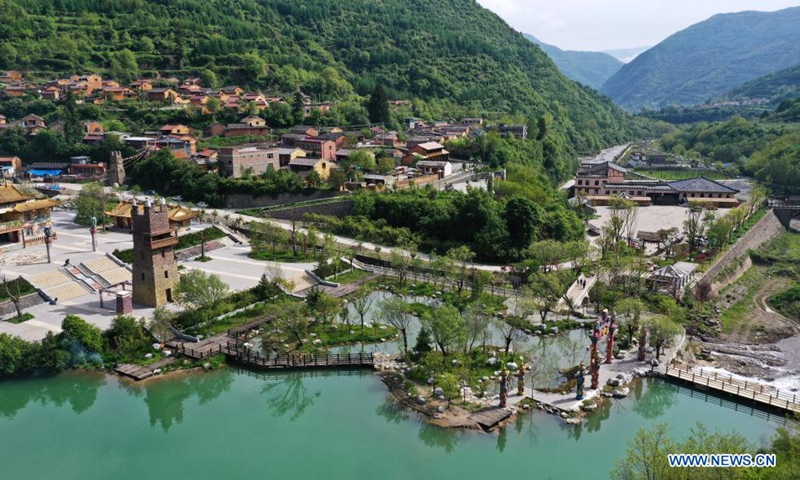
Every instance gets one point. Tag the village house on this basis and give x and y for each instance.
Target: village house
(11, 76)
(51, 93)
(303, 166)
(23, 217)
(339, 138)
(84, 167)
(93, 128)
(179, 217)
(251, 125)
(3, 122)
(10, 165)
(177, 129)
(325, 149)
(143, 85)
(162, 95)
(46, 169)
(236, 162)
(378, 181)
(182, 147)
(429, 151)
(140, 143)
(435, 167)
(233, 91)
(518, 131)
(117, 94)
(304, 130)
(472, 121)
(15, 91)
(292, 139)
(33, 124)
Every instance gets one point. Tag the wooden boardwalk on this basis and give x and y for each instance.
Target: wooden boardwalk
(138, 372)
(488, 418)
(297, 361)
(742, 390)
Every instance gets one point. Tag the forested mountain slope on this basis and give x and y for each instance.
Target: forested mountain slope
(776, 86)
(708, 59)
(452, 52)
(588, 68)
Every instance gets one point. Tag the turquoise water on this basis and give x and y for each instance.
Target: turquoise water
(230, 424)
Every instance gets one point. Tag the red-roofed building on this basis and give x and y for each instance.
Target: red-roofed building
(325, 149)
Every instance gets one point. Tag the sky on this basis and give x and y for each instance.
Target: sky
(611, 24)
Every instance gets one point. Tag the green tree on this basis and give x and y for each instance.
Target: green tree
(394, 311)
(378, 106)
(446, 326)
(646, 457)
(292, 317)
(93, 201)
(127, 337)
(76, 329)
(362, 305)
(201, 290)
(209, 79)
(123, 66)
(663, 331)
(461, 258)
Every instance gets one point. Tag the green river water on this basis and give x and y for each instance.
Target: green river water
(234, 424)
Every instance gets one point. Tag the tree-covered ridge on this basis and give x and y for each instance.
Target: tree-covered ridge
(767, 151)
(588, 68)
(708, 59)
(453, 51)
(777, 87)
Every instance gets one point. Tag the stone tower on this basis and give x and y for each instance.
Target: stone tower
(155, 271)
(116, 169)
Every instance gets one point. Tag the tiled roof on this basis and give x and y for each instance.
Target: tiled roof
(701, 184)
(11, 194)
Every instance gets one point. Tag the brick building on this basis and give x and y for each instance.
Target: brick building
(155, 270)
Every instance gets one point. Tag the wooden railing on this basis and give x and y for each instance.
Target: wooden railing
(744, 389)
(302, 360)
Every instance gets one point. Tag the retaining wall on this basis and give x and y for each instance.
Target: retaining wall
(28, 301)
(762, 232)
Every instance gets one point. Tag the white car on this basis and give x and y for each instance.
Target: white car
(177, 198)
(202, 204)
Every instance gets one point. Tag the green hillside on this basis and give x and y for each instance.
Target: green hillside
(776, 86)
(588, 68)
(708, 59)
(453, 54)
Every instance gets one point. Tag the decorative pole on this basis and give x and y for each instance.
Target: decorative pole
(93, 231)
(610, 345)
(47, 233)
(579, 378)
(594, 360)
(503, 388)
(642, 342)
(521, 380)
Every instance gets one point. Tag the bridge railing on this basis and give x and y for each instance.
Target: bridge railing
(744, 388)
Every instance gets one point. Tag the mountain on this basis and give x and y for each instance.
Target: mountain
(626, 55)
(776, 86)
(708, 58)
(588, 68)
(455, 55)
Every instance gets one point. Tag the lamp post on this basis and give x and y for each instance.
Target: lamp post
(93, 231)
(47, 234)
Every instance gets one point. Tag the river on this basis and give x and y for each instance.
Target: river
(236, 424)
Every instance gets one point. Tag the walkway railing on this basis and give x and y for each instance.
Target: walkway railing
(755, 391)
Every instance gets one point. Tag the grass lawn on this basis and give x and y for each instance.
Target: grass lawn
(23, 318)
(25, 288)
(349, 277)
(285, 256)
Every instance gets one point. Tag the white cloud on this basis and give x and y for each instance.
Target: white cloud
(606, 24)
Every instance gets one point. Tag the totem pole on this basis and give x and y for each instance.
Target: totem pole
(503, 387)
(521, 380)
(93, 231)
(579, 378)
(594, 360)
(610, 339)
(47, 234)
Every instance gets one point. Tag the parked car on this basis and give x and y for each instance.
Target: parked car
(177, 198)
(150, 192)
(202, 205)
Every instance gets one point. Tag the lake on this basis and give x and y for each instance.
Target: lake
(234, 424)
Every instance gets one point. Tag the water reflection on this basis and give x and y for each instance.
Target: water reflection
(289, 396)
(438, 437)
(655, 401)
(165, 398)
(393, 411)
(77, 390)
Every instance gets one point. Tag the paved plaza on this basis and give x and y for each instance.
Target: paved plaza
(74, 244)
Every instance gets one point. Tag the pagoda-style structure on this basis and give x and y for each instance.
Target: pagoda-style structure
(155, 271)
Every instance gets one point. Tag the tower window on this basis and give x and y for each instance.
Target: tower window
(166, 273)
(142, 275)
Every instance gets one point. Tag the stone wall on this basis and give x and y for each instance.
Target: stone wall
(762, 232)
(249, 201)
(28, 301)
(336, 209)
